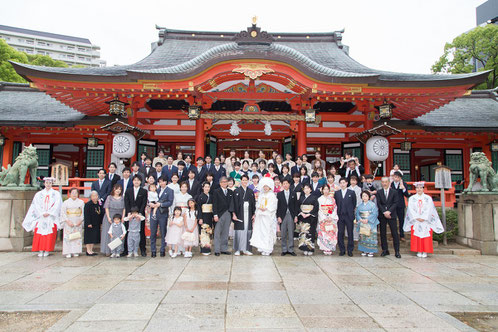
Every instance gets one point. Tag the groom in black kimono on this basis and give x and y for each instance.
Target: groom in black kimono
(244, 203)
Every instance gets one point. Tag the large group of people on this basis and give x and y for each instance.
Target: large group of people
(252, 201)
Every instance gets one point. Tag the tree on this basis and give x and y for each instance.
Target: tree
(480, 44)
(7, 72)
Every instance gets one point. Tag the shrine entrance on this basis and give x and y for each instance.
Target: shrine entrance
(253, 146)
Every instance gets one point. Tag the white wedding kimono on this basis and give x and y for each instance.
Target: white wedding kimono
(264, 231)
(422, 207)
(44, 201)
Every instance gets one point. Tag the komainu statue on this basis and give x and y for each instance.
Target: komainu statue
(481, 167)
(13, 176)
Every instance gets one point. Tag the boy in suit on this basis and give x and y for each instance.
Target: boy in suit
(126, 182)
(112, 176)
(136, 196)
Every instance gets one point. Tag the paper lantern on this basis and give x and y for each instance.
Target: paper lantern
(377, 148)
(124, 145)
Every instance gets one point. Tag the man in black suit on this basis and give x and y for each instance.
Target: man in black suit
(399, 186)
(169, 169)
(157, 171)
(243, 201)
(297, 167)
(286, 212)
(222, 203)
(194, 187)
(136, 196)
(182, 174)
(346, 203)
(147, 170)
(166, 197)
(200, 170)
(188, 164)
(316, 188)
(102, 186)
(218, 170)
(135, 170)
(387, 200)
(352, 169)
(208, 165)
(112, 176)
(126, 182)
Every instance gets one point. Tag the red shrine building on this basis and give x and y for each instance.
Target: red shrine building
(195, 85)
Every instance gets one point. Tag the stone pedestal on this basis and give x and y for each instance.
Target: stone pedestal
(14, 203)
(478, 222)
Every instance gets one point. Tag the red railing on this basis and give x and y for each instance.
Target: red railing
(79, 184)
(435, 193)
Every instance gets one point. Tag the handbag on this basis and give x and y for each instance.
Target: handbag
(74, 236)
(115, 243)
(188, 237)
(365, 229)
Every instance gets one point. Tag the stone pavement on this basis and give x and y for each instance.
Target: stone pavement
(229, 293)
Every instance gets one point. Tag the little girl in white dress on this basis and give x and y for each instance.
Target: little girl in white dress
(175, 231)
(191, 236)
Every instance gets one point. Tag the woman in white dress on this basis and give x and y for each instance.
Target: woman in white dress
(181, 198)
(72, 222)
(173, 185)
(264, 233)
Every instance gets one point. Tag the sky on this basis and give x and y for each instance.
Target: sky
(395, 35)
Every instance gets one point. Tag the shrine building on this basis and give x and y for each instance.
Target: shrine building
(303, 88)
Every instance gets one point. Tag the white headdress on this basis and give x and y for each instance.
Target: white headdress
(266, 181)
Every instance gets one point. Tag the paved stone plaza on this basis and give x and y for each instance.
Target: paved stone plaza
(230, 293)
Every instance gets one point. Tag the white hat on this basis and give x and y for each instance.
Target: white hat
(266, 181)
(419, 184)
(49, 178)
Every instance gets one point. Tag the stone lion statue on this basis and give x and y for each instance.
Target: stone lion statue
(13, 176)
(481, 167)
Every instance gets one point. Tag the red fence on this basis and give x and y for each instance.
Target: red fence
(431, 190)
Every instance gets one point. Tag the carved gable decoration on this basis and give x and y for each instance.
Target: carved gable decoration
(252, 70)
(253, 35)
(120, 127)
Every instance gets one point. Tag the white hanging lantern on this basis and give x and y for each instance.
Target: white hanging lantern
(124, 145)
(235, 129)
(377, 148)
(268, 129)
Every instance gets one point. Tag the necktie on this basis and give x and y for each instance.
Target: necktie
(386, 192)
(287, 196)
(225, 191)
(169, 167)
(100, 184)
(110, 176)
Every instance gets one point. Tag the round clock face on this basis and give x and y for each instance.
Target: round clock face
(121, 144)
(381, 147)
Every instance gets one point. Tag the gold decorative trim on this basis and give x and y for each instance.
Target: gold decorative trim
(261, 117)
(253, 70)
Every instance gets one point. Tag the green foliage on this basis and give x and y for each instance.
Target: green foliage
(7, 72)
(451, 225)
(480, 44)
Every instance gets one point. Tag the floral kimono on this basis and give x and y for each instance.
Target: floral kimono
(368, 232)
(327, 223)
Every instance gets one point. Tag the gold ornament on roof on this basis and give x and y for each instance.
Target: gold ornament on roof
(254, 20)
(252, 70)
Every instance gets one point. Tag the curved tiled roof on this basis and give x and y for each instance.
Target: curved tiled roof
(182, 54)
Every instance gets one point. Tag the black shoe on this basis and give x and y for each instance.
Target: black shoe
(385, 253)
(163, 254)
(342, 253)
(292, 253)
(397, 255)
(93, 254)
(226, 252)
(153, 255)
(283, 253)
(350, 253)
(144, 253)
(216, 253)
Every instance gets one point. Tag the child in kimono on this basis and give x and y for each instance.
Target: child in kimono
(116, 230)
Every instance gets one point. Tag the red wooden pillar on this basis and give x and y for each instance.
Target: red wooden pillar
(466, 163)
(368, 124)
(301, 138)
(200, 135)
(389, 160)
(107, 150)
(7, 152)
(486, 148)
(133, 121)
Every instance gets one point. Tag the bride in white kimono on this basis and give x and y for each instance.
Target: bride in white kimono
(264, 233)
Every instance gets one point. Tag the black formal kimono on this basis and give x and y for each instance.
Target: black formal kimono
(307, 226)
(93, 214)
(244, 207)
(205, 204)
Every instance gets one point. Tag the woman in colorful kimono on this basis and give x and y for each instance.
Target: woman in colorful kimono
(422, 220)
(72, 222)
(366, 216)
(205, 205)
(327, 222)
(307, 219)
(43, 218)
